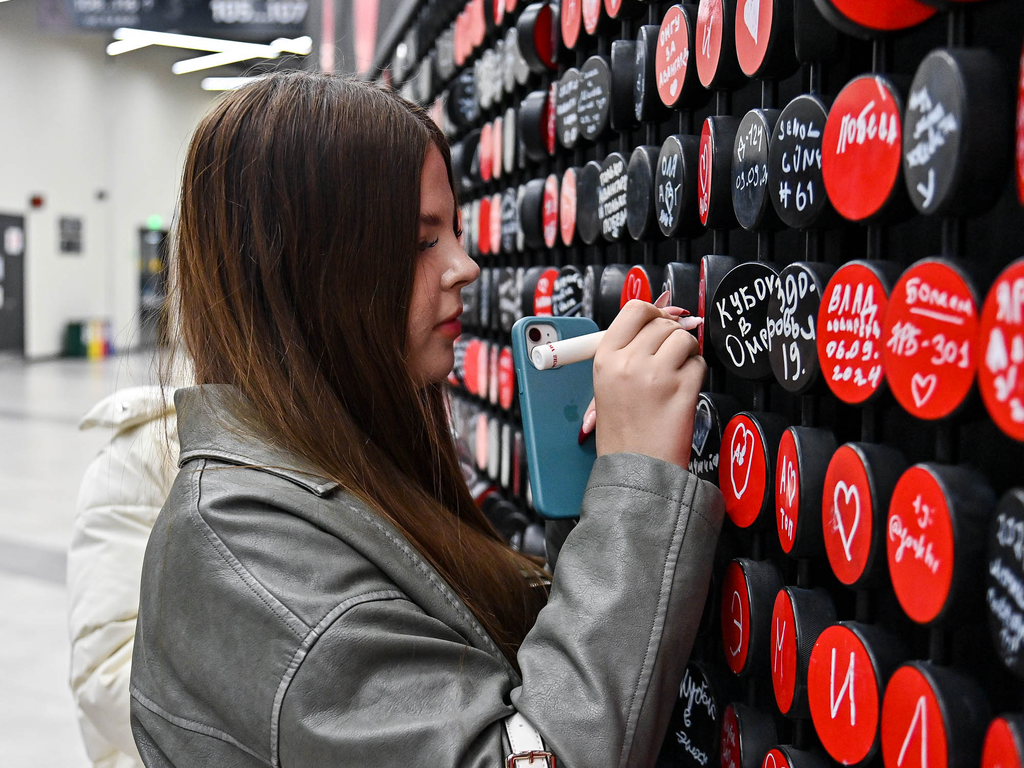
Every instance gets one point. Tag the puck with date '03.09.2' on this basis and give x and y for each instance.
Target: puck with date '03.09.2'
(737, 319)
(714, 411)
(715, 45)
(862, 151)
(567, 207)
(713, 267)
(799, 616)
(804, 455)
(1004, 743)
(714, 172)
(792, 324)
(933, 716)
(751, 201)
(866, 19)
(682, 281)
(641, 215)
(794, 164)
(936, 542)
(957, 141)
(1001, 343)
(647, 105)
(846, 678)
(749, 588)
(537, 27)
(611, 197)
(746, 471)
(764, 38)
(929, 333)
(623, 64)
(854, 510)
(568, 296)
(567, 92)
(641, 283)
(674, 66)
(692, 738)
(1005, 580)
(609, 293)
(850, 329)
(675, 186)
(588, 184)
(746, 735)
(593, 107)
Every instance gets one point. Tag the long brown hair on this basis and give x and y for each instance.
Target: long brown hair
(295, 252)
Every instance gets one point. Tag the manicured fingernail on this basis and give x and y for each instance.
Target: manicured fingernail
(588, 426)
(662, 301)
(689, 323)
(677, 311)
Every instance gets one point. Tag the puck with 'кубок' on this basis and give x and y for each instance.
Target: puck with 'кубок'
(737, 319)
(692, 738)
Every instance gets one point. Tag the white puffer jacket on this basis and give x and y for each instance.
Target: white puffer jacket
(123, 490)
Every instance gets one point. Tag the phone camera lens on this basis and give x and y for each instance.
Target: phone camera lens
(535, 335)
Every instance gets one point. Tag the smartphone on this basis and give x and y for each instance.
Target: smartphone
(553, 403)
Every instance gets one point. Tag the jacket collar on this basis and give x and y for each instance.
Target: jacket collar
(211, 425)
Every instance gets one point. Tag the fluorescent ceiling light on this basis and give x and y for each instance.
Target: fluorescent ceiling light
(227, 83)
(221, 51)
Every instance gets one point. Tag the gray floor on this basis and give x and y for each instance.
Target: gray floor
(42, 457)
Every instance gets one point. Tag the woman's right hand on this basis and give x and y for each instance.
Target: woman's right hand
(647, 376)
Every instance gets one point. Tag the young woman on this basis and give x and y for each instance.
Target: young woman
(319, 588)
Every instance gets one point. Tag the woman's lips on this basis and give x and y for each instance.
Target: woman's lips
(451, 327)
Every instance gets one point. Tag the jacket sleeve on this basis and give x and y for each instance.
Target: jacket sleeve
(121, 493)
(387, 685)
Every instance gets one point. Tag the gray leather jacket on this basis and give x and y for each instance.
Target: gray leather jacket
(284, 623)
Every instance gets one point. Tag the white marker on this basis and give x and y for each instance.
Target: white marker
(546, 357)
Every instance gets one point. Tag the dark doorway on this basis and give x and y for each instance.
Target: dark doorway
(12, 283)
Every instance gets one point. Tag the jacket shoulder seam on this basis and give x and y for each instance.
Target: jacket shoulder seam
(192, 725)
(289, 619)
(673, 499)
(303, 650)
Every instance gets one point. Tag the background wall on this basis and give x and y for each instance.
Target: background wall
(73, 122)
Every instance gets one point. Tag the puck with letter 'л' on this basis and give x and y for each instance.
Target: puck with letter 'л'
(675, 186)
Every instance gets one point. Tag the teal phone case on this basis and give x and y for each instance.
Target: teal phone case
(553, 404)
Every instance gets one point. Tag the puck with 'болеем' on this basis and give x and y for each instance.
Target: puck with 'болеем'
(737, 319)
(792, 324)
(854, 510)
(798, 617)
(804, 455)
(609, 293)
(567, 92)
(1001, 347)
(751, 201)
(692, 738)
(866, 19)
(532, 125)
(714, 411)
(794, 164)
(537, 27)
(674, 67)
(929, 333)
(567, 207)
(749, 588)
(849, 667)
(933, 716)
(588, 184)
(647, 105)
(862, 151)
(715, 49)
(849, 332)
(567, 299)
(682, 281)
(935, 545)
(641, 283)
(746, 470)
(593, 106)
(713, 268)
(623, 65)
(957, 140)
(641, 218)
(1004, 743)
(764, 38)
(746, 735)
(611, 197)
(714, 172)
(675, 186)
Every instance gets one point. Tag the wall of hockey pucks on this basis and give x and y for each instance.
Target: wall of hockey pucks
(830, 184)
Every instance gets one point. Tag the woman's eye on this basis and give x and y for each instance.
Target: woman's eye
(425, 244)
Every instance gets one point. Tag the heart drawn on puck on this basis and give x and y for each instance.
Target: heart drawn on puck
(701, 427)
(848, 492)
(741, 451)
(922, 387)
(790, 480)
(751, 16)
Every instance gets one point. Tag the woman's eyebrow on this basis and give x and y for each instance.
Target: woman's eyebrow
(432, 219)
